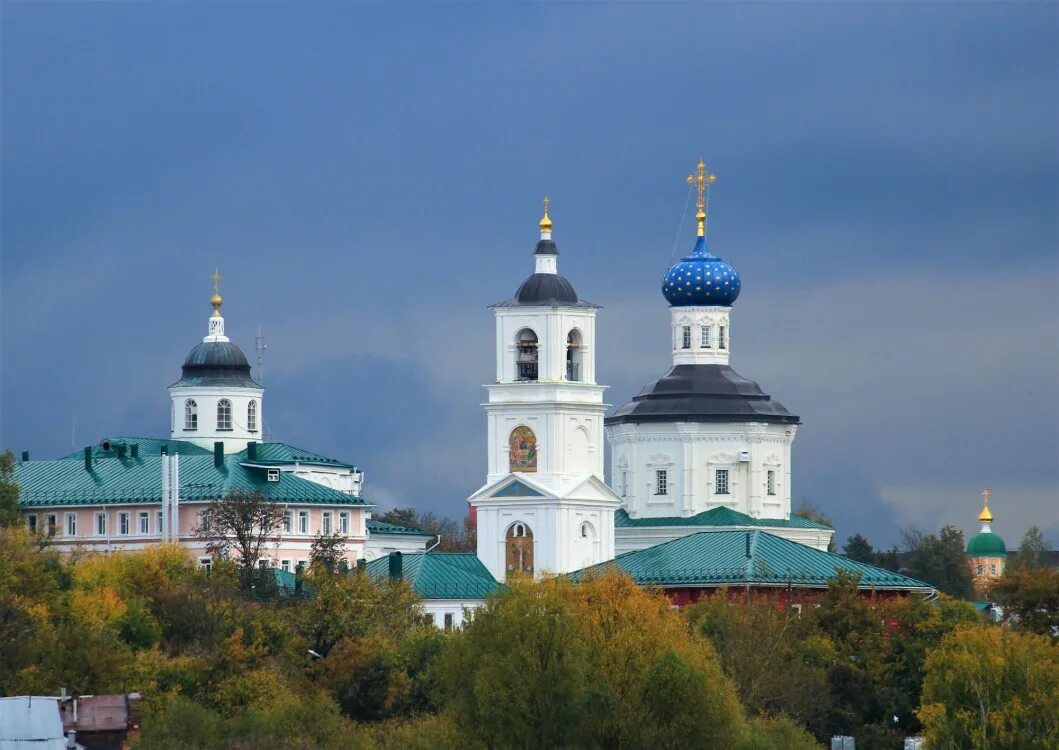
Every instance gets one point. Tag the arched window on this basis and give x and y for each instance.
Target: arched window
(191, 415)
(251, 416)
(224, 414)
(573, 355)
(519, 549)
(522, 449)
(526, 354)
(586, 530)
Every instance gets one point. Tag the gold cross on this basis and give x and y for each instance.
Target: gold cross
(985, 496)
(702, 179)
(216, 281)
(547, 200)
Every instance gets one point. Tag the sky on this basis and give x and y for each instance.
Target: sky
(368, 179)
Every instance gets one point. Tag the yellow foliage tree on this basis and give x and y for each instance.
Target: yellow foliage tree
(991, 688)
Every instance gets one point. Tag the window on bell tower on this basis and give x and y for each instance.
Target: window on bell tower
(526, 355)
(251, 416)
(704, 342)
(722, 341)
(685, 337)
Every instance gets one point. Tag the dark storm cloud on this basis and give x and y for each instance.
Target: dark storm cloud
(368, 178)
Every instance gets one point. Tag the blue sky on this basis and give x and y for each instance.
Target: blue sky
(368, 179)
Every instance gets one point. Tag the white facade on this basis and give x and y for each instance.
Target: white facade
(545, 438)
(744, 466)
(450, 613)
(701, 335)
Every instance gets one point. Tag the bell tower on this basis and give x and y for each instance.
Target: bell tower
(544, 507)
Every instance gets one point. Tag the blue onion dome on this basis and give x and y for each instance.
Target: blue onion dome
(701, 279)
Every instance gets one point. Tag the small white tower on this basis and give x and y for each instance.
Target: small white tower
(544, 507)
(216, 399)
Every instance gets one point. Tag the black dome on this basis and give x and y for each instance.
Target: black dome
(702, 393)
(216, 363)
(546, 289)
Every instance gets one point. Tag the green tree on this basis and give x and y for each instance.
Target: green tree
(1032, 549)
(328, 550)
(989, 688)
(9, 515)
(859, 549)
(1029, 598)
(940, 560)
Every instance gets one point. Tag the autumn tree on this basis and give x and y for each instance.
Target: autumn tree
(242, 523)
(328, 551)
(453, 536)
(1029, 598)
(990, 688)
(603, 663)
(9, 515)
(859, 549)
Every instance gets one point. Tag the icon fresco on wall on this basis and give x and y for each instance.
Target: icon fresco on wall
(522, 449)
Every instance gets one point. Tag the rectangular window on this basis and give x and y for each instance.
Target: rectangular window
(300, 566)
(53, 523)
(770, 482)
(71, 524)
(144, 523)
(343, 522)
(661, 482)
(303, 522)
(284, 565)
(123, 523)
(685, 337)
(992, 569)
(288, 521)
(722, 341)
(325, 522)
(979, 568)
(101, 524)
(704, 342)
(624, 484)
(206, 563)
(448, 621)
(264, 563)
(158, 523)
(31, 523)
(720, 482)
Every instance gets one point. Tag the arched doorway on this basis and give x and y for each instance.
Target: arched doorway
(518, 549)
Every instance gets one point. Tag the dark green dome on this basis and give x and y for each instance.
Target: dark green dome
(986, 544)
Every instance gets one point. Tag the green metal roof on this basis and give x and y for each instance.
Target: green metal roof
(986, 544)
(128, 480)
(723, 558)
(282, 453)
(441, 575)
(148, 447)
(379, 527)
(716, 517)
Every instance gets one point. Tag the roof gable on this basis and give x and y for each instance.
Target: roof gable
(283, 453)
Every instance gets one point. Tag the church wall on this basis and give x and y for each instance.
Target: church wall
(690, 453)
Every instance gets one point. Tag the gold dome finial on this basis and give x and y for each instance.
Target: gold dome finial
(546, 221)
(702, 179)
(985, 516)
(216, 300)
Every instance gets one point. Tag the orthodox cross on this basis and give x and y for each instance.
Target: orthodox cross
(702, 179)
(216, 281)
